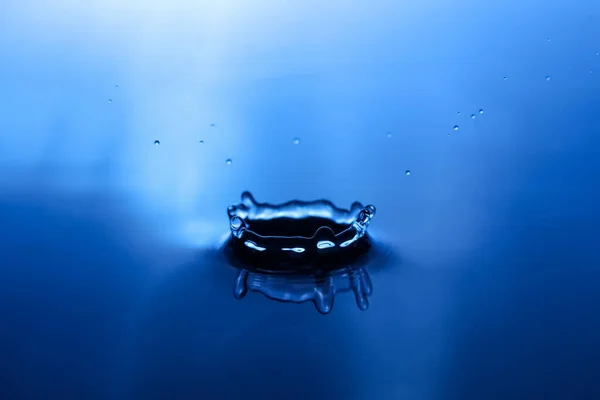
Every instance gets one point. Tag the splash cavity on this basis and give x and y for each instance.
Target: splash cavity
(315, 228)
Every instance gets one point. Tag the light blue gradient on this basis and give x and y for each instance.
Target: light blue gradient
(109, 286)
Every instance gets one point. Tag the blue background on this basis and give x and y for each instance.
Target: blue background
(109, 284)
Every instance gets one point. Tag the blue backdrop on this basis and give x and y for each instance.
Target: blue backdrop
(109, 284)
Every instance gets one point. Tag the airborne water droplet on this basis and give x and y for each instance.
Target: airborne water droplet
(156, 142)
(455, 127)
(296, 141)
(228, 161)
(407, 172)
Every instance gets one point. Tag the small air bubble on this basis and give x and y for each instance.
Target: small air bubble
(296, 141)
(455, 127)
(228, 161)
(212, 125)
(504, 78)
(201, 141)
(547, 77)
(598, 53)
(549, 39)
(116, 86)
(407, 173)
(389, 134)
(156, 142)
(472, 116)
(110, 101)
(481, 111)
(458, 113)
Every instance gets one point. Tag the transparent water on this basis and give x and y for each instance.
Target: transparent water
(112, 281)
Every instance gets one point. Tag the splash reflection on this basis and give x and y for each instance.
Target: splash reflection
(318, 288)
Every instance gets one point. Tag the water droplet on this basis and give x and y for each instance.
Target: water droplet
(407, 172)
(236, 223)
(296, 141)
(212, 125)
(472, 116)
(228, 161)
(389, 134)
(156, 142)
(110, 101)
(455, 127)
(481, 111)
(547, 77)
(201, 142)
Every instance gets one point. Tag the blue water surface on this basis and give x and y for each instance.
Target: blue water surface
(127, 128)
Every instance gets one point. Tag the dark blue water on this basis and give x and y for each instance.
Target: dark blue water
(112, 281)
